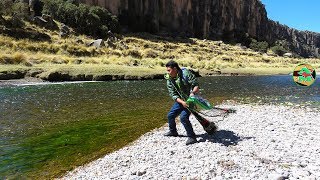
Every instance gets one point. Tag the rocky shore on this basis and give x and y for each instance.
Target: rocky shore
(38, 74)
(257, 142)
(66, 76)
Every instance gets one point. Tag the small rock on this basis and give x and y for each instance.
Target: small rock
(282, 178)
(140, 173)
(64, 30)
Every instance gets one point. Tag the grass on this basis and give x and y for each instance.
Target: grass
(136, 52)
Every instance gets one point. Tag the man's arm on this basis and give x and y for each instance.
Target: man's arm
(182, 102)
(194, 91)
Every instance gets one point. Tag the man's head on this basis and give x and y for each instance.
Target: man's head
(173, 68)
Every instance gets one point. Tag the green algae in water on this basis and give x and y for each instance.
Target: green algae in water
(54, 128)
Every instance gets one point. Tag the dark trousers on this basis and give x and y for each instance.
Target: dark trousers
(175, 110)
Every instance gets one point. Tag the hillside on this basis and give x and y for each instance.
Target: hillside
(236, 20)
(126, 56)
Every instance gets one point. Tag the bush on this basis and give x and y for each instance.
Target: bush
(91, 20)
(279, 50)
(6, 7)
(17, 9)
(21, 10)
(15, 58)
(261, 46)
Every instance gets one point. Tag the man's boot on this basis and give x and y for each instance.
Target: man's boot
(191, 140)
(171, 133)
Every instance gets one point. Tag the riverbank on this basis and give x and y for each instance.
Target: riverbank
(258, 142)
(92, 72)
(49, 72)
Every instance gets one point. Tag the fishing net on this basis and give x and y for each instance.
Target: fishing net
(203, 107)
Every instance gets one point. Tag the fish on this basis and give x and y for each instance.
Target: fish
(304, 74)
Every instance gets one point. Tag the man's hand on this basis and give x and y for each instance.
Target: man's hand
(182, 102)
(194, 91)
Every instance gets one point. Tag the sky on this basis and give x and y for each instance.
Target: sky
(298, 14)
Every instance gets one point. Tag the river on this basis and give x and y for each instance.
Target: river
(47, 129)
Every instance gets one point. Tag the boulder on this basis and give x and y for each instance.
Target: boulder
(287, 55)
(22, 33)
(97, 43)
(58, 76)
(6, 75)
(39, 21)
(111, 37)
(64, 30)
(50, 24)
(34, 72)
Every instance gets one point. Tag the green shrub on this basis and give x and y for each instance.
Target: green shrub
(17, 10)
(21, 10)
(261, 46)
(6, 7)
(91, 20)
(279, 50)
(11, 8)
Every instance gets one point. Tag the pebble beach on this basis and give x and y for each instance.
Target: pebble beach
(257, 142)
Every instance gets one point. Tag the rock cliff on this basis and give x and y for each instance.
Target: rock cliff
(214, 19)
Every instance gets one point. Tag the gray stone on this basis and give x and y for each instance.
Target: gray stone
(140, 173)
(287, 55)
(282, 178)
(39, 21)
(64, 30)
(97, 43)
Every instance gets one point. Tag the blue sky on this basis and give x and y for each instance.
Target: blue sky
(298, 14)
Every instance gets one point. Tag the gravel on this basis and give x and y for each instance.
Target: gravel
(257, 142)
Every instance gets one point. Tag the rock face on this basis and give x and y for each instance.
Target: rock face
(214, 19)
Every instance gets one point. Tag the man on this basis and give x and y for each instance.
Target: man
(181, 84)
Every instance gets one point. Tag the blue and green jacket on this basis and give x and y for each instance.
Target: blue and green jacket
(184, 83)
